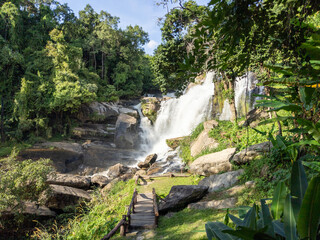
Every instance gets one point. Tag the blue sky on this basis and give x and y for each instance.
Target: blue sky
(144, 13)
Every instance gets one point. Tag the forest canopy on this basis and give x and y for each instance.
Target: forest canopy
(52, 62)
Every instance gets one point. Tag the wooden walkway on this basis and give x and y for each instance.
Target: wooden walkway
(143, 216)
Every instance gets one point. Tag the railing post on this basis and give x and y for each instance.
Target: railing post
(123, 227)
(155, 207)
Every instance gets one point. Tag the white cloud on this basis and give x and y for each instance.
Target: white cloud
(152, 44)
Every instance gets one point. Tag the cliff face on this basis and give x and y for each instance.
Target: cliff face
(245, 88)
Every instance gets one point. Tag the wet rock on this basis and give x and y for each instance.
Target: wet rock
(98, 112)
(150, 107)
(127, 176)
(174, 142)
(63, 160)
(126, 135)
(100, 156)
(221, 181)
(150, 159)
(61, 196)
(68, 146)
(117, 170)
(251, 153)
(155, 168)
(129, 111)
(99, 180)
(94, 131)
(215, 204)
(203, 142)
(69, 180)
(180, 196)
(213, 163)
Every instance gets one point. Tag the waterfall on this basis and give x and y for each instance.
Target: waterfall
(244, 88)
(177, 117)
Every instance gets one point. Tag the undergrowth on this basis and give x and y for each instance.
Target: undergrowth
(94, 219)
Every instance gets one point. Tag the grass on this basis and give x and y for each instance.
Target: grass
(163, 185)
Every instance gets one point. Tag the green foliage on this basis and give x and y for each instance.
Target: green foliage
(230, 134)
(97, 218)
(22, 181)
(300, 219)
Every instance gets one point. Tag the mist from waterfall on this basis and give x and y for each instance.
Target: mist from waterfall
(177, 117)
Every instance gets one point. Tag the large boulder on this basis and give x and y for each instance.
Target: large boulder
(251, 153)
(221, 181)
(59, 197)
(30, 208)
(69, 180)
(208, 125)
(117, 170)
(155, 169)
(150, 107)
(174, 142)
(99, 112)
(213, 163)
(94, 131)
(150, 159)
(99, 180)
(215, 204)
(126, 135)
(180, 196)
(203, 142)
(129, 111)
(63, 160)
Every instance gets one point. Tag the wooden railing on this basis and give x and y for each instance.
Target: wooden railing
(125, 221)
(155, 206)
(171, 175)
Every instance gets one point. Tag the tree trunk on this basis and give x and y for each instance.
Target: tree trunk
(102, 66)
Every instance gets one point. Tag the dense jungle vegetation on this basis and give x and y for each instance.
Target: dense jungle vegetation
(52, 62)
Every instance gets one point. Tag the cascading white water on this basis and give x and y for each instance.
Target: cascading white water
(177, 117)
(244, 88)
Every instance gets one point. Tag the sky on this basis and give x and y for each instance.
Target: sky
(144, 13)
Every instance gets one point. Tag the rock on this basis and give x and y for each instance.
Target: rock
(98, 112)
(69, 180)
(94, 131)
(141, 172)
(99, 180)
(101, 156)
(63, 160)
(221, 181)
(251, 153)
(208, 125)
(155, 168)
(203, 142)
(150, 107)
(264, 171)
(31, 208)
(254, 117)
(174, 142)
(109, 186)
(129, 111)
(127, 176)
(61, 196)
(117, 170)
(213, 163)
(150, 159)
(68, 146)
(126, 135)
(180, 196)
(215, 204)
(250, 184)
